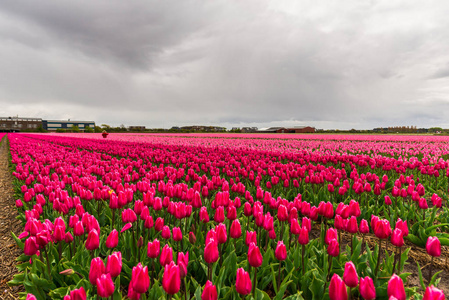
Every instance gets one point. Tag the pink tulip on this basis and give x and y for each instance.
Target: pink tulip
(396, 288)
(243, 284)
(171, 280)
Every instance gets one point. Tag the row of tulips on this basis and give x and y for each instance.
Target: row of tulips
(91, 184)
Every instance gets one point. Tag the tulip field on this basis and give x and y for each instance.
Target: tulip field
(238, 216)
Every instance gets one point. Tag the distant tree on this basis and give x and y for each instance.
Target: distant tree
(61, 130)
(105, 127)
(40, 129)
(435, 129)
(98, 129)
(75, 128)
(88, 129)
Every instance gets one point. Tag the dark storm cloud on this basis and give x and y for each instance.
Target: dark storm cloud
(233, 63)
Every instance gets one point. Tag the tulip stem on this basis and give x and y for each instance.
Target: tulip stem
(330, 267)
(113, 218)
(279, 276)
(255, 282)
(378, 260)
(282, 231)
(395, 259)
(48, 261)
(430, 270)
(302, 254)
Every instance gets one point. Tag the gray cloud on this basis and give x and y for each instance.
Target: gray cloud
(164, 63)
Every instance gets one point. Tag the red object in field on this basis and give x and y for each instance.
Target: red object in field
(104, 134)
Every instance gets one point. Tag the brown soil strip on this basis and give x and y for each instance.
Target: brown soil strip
(8, 223)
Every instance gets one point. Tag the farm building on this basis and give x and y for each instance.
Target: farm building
(16, 124)
(53, 125)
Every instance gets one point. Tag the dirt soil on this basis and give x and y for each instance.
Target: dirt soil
(8, 223)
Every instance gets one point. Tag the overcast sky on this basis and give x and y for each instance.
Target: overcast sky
(336, 64)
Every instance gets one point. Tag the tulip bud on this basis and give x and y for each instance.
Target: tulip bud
(433, 246)
(140, 279)
(166, 254)
(171, 280)
(350, 276)
(364, 228)
(337, 288)
(166, 232)
(432, 293)
(333, 249)
(221, 233)
(209, 292)
(366, 288)
(192, 238)
(31, 247)
(114, 264)
(243, 283)
(78, 294)
(112, 240)
(93, 240)
(396, 288)
(331, 234)
(251, 237)
(236, 229)
(105, 286)
(96, 269)
(397, 238)
(254, 256)
(281, 251)
(183, 261)
(303, 237)
(211, 251)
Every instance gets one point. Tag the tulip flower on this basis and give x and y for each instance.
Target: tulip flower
(243, 284)
(31, 247)
(177, 234)
(166, 234)
(105, 286)
(255, 260)
(114, 264)
(432, 293)
(132, 294)
(209, 292)
(251, 237)
(303, 237)
(331, 234)
(140, 279)
(367, 289)
(112, 240)
(236, 229)
(396, 288)
(183, 261)
(30, 297)
(154, 249)
(337, 288)
(171, 280)
(97, 268)
(78, 294)
(166, 253)
(281, 254)
(93, 240)
(433, 248)
(221, 233)
(350, 276)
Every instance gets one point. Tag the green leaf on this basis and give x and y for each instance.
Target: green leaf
(198, 293)
(429, 229)
(421, 281)
(18, 241)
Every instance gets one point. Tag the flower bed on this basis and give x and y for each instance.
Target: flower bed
(151, 216)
